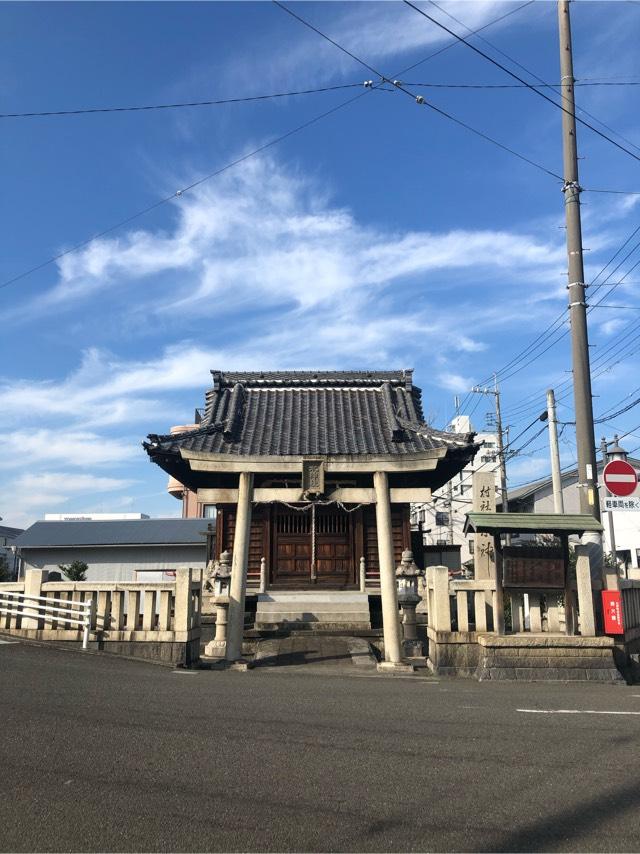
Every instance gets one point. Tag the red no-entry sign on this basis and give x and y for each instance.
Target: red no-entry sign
(620, 478)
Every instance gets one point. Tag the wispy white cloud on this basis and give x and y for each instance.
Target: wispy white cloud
(268, 234)
(35, 493)
(333, 291)
(74, 448)
(380, 33)
(524, 469)
(454, 382)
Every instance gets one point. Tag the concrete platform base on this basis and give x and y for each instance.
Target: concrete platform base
(546, 657)
(398, 668)
(240, 665)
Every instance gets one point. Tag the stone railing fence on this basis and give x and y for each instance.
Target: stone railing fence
(630, 590)
(467, 605)
(478, 605)
(150, 619)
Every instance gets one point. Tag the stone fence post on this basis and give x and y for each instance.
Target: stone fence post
(182, 608)
(441, 602)
(33, 581)
(585, 593)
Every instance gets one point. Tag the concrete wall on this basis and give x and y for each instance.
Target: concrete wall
(117, 563)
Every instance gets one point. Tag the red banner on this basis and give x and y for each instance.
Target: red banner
(612, 612)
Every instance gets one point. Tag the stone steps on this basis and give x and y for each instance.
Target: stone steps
(336, 610)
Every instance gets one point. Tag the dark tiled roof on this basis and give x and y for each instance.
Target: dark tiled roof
(306, 413)
(122, 532)
(10, 533)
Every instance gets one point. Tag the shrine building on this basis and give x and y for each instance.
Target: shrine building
(312, 475)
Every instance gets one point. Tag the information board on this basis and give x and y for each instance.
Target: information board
(533, 567)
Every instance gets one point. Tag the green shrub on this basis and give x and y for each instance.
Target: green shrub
(76, 571)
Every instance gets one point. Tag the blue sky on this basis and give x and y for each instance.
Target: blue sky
(381, 236)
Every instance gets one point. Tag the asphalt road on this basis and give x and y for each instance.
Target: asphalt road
(103, 754)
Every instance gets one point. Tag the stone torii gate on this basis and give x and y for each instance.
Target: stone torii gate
(352, 445)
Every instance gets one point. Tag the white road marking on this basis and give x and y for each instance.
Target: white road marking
(187, 672)
(572, 712)
(4, 641)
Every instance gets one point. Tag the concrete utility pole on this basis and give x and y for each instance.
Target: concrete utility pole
(501, 457)
(558, 501)
(495, 391)
(585, 440)
(450, 500)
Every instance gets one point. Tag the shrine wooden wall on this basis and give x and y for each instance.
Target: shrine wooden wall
(365, 542)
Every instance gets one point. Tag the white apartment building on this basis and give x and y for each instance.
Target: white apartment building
(442, 519)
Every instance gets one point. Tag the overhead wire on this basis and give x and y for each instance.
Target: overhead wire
(237, 161)
(549, 332)
(420, 100)
(148, 107)
(399, 85)
(138, 108)
(518, 78)
(178, 193)
(532, 74)
(554, 327)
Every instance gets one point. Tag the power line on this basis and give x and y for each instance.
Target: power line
(535, 76)
(136, 108)
(620, 307)
(551, 330)
(473, 32)
(419, 99)
(400, 86)
(512, 85)
(147, 107)
(613, 192)
(239, 160)
(518, 78)
(183, 190)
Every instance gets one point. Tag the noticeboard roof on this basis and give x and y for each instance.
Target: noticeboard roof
(542, 523)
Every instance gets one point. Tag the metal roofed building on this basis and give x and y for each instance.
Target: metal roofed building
(115, 550)
(313, 472)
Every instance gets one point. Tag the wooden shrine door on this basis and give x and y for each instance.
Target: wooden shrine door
(298, 538)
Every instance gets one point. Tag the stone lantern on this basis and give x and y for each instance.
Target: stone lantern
(220, 581)
(407, 575)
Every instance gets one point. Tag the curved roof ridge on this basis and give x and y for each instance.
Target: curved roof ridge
(401, 376)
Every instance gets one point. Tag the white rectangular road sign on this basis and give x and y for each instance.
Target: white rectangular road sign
(622, 503)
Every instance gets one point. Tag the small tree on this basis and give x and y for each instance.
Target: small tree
(76, 571)
(4, 569)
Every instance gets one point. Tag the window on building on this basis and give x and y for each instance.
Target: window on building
(208, 511)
